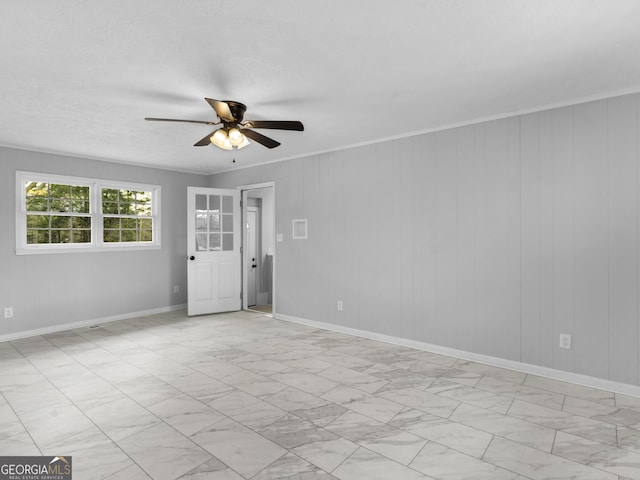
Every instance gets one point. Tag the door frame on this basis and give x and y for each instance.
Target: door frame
(244, 189)
(258, 249)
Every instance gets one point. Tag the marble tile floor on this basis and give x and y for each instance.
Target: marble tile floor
(244, 396)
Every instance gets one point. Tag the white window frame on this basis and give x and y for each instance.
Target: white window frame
(95, 212)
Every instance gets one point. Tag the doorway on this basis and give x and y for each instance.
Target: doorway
(258, 248)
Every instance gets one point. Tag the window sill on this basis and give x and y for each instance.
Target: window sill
(80, 249)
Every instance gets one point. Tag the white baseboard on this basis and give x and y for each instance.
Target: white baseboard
(88, 323)
(576, 378)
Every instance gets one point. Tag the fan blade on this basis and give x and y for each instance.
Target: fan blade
(275, 124)
(258, 137)
(222, 109)
(205, 141)
(177, 120)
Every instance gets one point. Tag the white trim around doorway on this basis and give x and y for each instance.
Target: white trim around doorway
(243, 189)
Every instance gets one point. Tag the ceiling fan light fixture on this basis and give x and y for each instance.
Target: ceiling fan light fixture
(221, 139)
(236, 137)
(244, 143)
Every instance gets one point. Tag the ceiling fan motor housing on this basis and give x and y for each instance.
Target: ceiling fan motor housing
(237, 110)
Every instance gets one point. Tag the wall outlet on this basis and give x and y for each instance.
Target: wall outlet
(339, 305)
(279, 237)
(8, 312)
(565, 341)
(176, 289)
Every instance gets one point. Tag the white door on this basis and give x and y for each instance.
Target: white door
(252, 258)
(213, 236)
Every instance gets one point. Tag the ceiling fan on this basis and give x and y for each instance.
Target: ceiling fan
(234, 131)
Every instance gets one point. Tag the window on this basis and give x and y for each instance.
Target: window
(57, 213)
(67, 214)
(127, 215)
(214, 222)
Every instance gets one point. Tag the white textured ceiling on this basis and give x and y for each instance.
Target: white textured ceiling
(78, 77)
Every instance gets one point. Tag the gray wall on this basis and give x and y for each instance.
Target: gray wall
(54, 289)
(492, 238)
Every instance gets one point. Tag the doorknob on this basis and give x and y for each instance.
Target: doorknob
(192, 257)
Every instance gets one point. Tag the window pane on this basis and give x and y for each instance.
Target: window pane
(35, 204)
(60, 205)
(146, 236)
(201, 202)
(201, 222)
(201, 242)
(227, 223)
(214, 203)
(81, 222)
(37, 189)
(143, 197)
(227, 204)
(214, 241)
(38, 221)
(128, 236)
(227, 241)
(37, 236)
(109, 208)
(110, 222)
(143, 209)
(126, 209)
(60, 222)
(145, 223)
(60, 191)
(109, 195)
(127, 195)
(111, 236)
(128, 223)
(60, 236)
(214, 222)
(80, 193)
(82, 236)
(80, 206)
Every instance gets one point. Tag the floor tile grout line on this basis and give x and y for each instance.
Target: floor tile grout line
(590, 465)
(503, 468)
(24, 427)
(206, 461)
